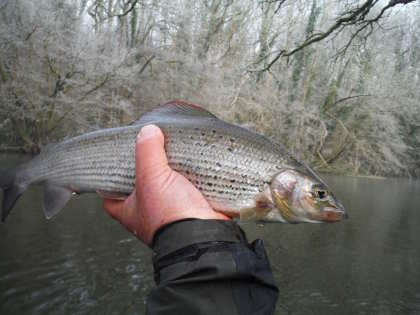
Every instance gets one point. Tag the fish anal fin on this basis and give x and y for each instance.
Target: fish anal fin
(174, 110)
(111, 195)
(55, 198)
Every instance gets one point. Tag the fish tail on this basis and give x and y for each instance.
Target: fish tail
(12, 190)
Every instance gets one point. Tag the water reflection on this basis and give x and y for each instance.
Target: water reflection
(369, 264)
(82, 262)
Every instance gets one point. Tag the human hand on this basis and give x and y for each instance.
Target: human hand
(161, 195)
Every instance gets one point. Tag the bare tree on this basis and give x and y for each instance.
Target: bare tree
(345, 97)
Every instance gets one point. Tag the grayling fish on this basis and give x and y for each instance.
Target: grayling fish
(240, 173)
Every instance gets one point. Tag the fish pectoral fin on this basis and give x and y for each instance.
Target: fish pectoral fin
(111, 195)
(55, 198)
(251, 214)
(262, 207)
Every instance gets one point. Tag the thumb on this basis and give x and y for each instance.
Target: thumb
(151, 158)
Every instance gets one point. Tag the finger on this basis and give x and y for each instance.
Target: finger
(150, 153)
(114, 208)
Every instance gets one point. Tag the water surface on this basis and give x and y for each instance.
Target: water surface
(82, 262)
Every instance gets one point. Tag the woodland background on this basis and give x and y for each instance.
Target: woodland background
(337, 82)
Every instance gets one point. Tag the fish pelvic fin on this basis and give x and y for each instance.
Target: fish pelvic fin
(11, 191)
(55, 198)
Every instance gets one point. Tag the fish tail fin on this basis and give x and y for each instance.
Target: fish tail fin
(11, 191)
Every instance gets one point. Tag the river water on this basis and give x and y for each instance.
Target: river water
(82, 262)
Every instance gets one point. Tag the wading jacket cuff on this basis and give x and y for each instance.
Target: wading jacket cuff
(179, 235)
(208, 267)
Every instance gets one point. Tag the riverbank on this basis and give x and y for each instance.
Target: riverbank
(7, 150)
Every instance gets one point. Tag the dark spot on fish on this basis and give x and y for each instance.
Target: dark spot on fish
(244, 176)
(215, 177)
(214, 131)
(203, 133)
(243, 188)
(235, 168)
(191, 137)
(210, 184)
(230, 149)
(221, 192)
(218, 164)
(232, 140)
(187, 172)
(179, 130)
(232, 180)
(201, 153)
(221, 136)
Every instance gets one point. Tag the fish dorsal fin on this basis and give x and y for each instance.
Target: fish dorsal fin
(174, 110)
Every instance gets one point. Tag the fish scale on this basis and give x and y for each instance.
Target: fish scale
(221, 166)
(221, 174)
(230, 165)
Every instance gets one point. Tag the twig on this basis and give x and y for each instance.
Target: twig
(133, 4)
(349, 98)
(98, 86)
(146, 64)
(31, 33)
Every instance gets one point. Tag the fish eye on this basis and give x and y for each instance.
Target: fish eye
(320, 193)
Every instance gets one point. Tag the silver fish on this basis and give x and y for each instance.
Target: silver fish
(240, 173)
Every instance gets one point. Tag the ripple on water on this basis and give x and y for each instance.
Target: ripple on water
(81, 262)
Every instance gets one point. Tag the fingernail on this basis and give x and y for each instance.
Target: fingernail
(147, 132)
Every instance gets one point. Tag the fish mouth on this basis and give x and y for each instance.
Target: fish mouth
(332, 214)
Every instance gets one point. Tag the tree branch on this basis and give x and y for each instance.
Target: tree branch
(356, 16)
(349, 98)
(96, 87)
(28, 36)
(146, 63)
(131, 8)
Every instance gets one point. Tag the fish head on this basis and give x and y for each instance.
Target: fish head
(302, 197)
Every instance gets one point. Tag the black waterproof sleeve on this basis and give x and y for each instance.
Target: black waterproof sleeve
(208, 267)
